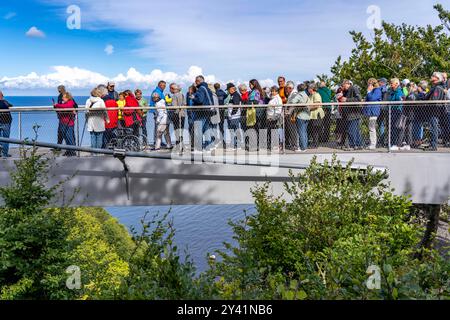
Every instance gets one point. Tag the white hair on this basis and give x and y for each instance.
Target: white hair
(395, 80)
(290, 84)
(103, 90)
(175, 85)
(243, 87)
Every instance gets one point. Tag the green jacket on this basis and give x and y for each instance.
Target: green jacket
(325, 93)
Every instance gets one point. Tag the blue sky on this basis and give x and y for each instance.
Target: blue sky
(173, 40)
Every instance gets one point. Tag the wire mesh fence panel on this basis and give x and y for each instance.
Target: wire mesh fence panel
(327, 128)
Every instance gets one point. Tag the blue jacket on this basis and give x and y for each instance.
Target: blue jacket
(203, 96)
(221, 95)
(161, 95)
(373, 96)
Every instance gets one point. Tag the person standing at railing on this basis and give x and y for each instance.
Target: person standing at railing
(290, 118)
(61, 91)
(112, 93)
(221, 95)
(317, 114)
(398, 120)
(203, 98)
(160, 91)
(113, 115)
(352, 114)
(383, 119)
(446, 114)
(215, 119)
(179, 115)
(144, 104)
(420, 116)
(274, 119)
(374, 94)
(5, 125)
(412, 112)
(121, 103)
(97, 116)
(66, 122)
(325, 94)
(191, 113)
(234, 115)
(303, 118)
(256, 97)
(132, 116)
(249, 118)
(341, 122)
(437, 93)
(162, 122)
(282, 89)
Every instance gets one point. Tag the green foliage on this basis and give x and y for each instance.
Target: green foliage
(156, 269)
(32, 241)
(397, 51)
(319, 244)
(39, 242)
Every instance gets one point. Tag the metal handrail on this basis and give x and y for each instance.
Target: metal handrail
(191, 157)
(343, 104)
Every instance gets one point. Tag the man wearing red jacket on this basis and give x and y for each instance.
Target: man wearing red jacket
(113, 114)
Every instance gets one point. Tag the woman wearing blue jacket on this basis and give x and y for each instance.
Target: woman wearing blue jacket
(372, 111)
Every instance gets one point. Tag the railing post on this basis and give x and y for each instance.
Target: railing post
(20, 126)
(284, 131)
(77, 124)
(389, 128)
(20, 130)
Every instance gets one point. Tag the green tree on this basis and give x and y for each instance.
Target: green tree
(403, 51)
(39, 241)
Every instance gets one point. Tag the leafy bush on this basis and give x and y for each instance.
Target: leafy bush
(39, 241)
(318, 241)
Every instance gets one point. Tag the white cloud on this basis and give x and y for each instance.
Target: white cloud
(82, 80)
(77, 78)
(243, 38)
(109, 49)
(34, 32)
(9, 15)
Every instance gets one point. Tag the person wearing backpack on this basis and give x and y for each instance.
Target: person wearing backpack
(203, 98)
(97, 117)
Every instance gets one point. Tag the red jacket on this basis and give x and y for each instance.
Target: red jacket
(67, 118)
(113, 114)
(131, 115)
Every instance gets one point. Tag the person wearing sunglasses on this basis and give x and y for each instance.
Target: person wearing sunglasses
(112, 93)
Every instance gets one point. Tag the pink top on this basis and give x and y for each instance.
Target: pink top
(67, 118)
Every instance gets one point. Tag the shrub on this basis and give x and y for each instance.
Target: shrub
(318, 241)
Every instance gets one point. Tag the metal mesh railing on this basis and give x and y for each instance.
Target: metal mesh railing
(414, 126)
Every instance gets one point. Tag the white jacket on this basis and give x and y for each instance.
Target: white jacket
(96, 114)
(275, 107)
(161, 112)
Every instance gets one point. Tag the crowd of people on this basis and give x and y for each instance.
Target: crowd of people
(295, 117)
